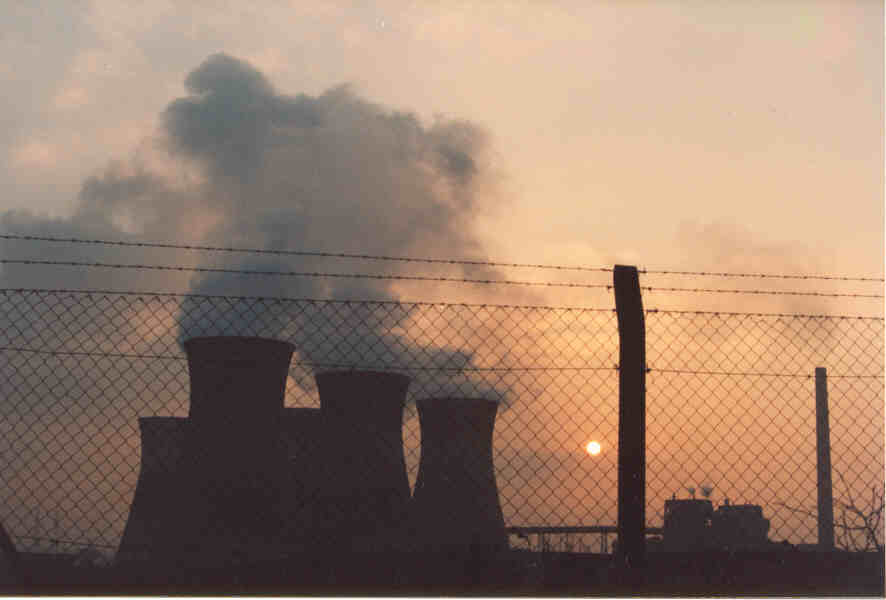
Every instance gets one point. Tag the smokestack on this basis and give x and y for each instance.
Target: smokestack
(151, 530)
(236, 460)
(365, 490)
(823, 460)
(455, 507)
(301, 435)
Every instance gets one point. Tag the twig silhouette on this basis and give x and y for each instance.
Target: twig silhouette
(854, 518)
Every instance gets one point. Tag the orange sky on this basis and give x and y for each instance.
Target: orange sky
(614, 125)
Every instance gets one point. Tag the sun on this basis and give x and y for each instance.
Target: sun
(593, 448)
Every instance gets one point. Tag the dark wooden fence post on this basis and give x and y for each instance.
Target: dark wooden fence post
(823, 445)
(631, 417)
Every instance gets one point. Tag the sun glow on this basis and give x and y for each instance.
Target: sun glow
(593, 448)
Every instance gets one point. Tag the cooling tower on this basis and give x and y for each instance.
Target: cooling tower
(151, 530)
(365, 491)
(10, 562)
(455, 506)
(235, 457)
(301, 434)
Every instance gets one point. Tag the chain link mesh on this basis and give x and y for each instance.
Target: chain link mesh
(731, 405)
(730, 400)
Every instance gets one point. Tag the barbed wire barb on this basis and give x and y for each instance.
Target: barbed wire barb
(377, 257)
(418, 278)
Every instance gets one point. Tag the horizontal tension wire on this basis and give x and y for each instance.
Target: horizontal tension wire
(406, 368)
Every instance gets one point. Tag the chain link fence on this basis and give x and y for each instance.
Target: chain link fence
(731, 406)
(730, 400)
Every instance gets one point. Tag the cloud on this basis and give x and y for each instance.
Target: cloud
(34, 154)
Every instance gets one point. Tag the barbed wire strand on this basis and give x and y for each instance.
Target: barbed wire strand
(311, 253)
(421, 278)
(411, 259)
(759, 275)
(758, 292)
(300, 273)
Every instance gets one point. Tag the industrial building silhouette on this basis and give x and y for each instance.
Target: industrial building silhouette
(693, 525)
(244, 478)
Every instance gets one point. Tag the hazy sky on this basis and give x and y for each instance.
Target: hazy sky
(742, 135)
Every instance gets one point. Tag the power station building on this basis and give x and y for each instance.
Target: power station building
(692, 525)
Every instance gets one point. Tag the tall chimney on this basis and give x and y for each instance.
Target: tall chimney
(151, 529)
(455, 507)
(236, 460)
(365, 490)
(823, 460)
(301, 434)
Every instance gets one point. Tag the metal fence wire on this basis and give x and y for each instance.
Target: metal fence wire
(89, 379)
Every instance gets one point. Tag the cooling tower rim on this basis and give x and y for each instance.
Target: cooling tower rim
(161, 419)
(300, 410)
(460, 401)
(243, 339)
(155, 421)
(359, 373)
(234, 347)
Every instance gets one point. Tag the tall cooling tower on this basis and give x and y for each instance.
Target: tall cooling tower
(151, 529)
(301, 434)
(455, 506)
(365, 492)
(236, 459)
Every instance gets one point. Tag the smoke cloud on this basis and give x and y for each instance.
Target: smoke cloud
(238, 164)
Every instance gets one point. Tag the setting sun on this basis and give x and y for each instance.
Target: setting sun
(593, 448)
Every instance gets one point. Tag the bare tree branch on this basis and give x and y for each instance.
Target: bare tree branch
(870, 517)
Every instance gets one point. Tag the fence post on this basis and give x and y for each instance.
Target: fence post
(631, 417)
(823, 446)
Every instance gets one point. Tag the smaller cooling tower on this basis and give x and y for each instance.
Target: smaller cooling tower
(455, 506)
(301, 434)
(365, 490)
(235, 457)
(151, 529)
(10, 562)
